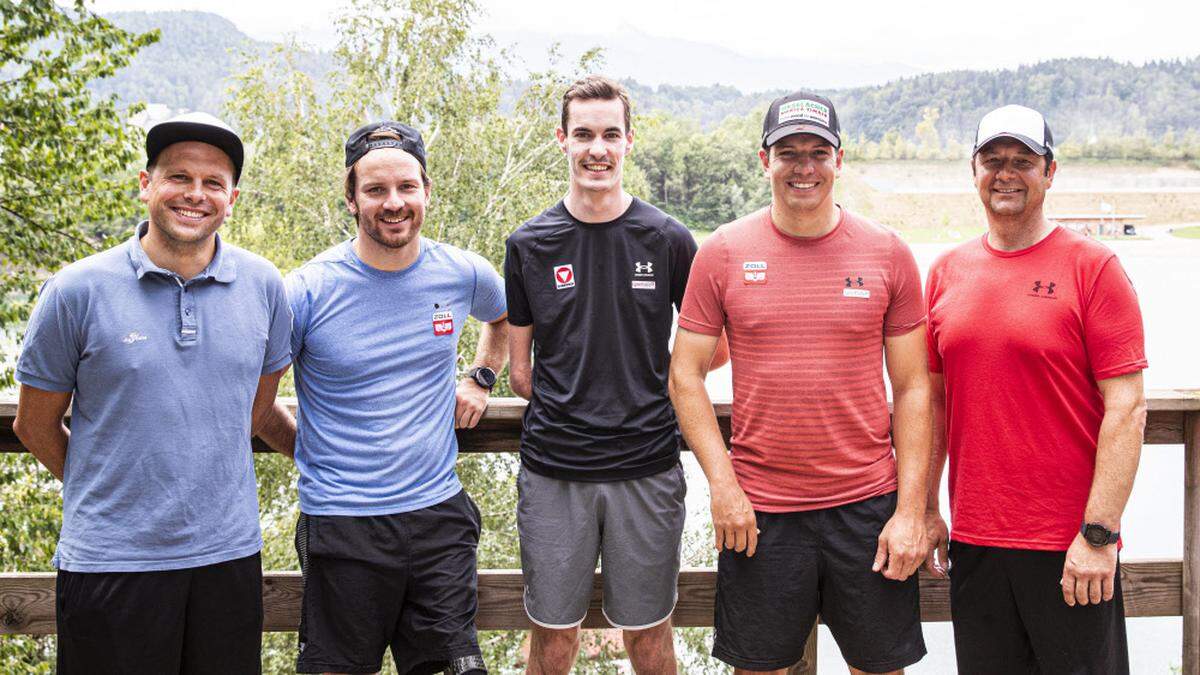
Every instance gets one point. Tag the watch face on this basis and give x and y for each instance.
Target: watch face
(1096, 535)
(486, 377)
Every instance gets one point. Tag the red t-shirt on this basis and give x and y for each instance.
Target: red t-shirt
(1022, 337)
(806, 320)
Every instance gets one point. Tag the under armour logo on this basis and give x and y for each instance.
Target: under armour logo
(1037, 287)
(857, 282)
(643, 267)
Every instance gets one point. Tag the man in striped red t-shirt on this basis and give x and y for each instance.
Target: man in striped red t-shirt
(812, 510)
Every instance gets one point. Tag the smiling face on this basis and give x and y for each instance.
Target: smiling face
(595, 142)
(802, 169)
(1011, 179)
(390, 197)
(189, 192)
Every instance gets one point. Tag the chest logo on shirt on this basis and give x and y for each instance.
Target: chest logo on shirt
(133, 337)
(443, 322)
(754, 272)
(564, 276)
(854, 288)
(1044, 291)
(644, 269)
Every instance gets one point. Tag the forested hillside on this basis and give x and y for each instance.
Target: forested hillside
(1086, 100)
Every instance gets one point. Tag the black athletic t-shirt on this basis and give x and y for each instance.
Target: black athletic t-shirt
(599, 297)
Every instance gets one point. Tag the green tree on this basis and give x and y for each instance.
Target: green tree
(64, 153)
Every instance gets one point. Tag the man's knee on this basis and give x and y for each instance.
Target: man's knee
(651, 650)
(552, 650)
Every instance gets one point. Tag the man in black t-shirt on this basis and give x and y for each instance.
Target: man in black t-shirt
(591, 282)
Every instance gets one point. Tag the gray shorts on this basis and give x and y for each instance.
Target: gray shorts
(633, 526)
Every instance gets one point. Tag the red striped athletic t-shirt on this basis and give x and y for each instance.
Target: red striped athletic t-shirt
(806, 318)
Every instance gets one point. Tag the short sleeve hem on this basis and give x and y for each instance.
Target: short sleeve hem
(698, 327)
(1123, 369)
(277, 365)
(29, 379)
(903, 329)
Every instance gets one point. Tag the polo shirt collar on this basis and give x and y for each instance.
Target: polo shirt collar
(221, 268)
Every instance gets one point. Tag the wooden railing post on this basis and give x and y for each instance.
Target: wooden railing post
(1191, 543)
(807, 665)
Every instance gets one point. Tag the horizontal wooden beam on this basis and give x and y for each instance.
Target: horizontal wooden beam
(1151, 588)
(500, 428)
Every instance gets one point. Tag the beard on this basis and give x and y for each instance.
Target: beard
(384, 239)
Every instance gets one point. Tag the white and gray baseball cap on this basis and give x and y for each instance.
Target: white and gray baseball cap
(1017, 122)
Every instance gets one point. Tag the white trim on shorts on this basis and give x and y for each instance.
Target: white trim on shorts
(652, 624)
(554, 626)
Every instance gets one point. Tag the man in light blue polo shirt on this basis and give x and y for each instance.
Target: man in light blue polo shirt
(168, 347)
(387, 536)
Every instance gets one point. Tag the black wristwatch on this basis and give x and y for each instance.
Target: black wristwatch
(483, 376)
(1098, 535)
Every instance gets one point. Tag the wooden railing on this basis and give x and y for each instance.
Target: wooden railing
(1151, 587)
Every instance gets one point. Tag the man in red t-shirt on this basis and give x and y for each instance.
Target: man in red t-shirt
(1035, 342)
(812, 511)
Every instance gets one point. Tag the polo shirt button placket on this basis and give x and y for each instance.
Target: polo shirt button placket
(188, 328)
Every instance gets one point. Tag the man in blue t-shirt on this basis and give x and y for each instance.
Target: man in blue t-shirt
(387, 536)
(168, 348)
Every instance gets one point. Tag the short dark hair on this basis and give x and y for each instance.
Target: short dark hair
(350, 180)
(596, 88)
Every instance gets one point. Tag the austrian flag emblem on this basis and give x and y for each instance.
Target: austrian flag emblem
(754, 272)
(443, 322)
(564, 276)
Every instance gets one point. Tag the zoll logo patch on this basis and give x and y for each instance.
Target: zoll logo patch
(754, 272)
(564, 276)
(443, 322)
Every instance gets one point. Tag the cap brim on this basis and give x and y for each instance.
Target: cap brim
(1033, 145)
(167, 133)
(793, 129)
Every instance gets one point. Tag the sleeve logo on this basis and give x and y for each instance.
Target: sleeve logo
(564, 276)
(443, 322)
(754, 272)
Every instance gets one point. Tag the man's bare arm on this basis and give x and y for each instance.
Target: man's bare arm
(937, 535)
(902, 542)
(1088, 571)
(520, 360)
(39, 426)
(733, 516)
(270, 420)
(492, 352)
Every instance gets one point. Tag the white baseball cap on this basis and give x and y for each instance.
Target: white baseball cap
(1015, 121)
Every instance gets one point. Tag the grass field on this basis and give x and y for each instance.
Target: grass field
(1192, 232)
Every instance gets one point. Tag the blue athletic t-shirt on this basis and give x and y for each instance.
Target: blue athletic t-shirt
(375, 355)
(159, 472)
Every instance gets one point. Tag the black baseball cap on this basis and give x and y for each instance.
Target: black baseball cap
(410, 141)
(801, 112)
(195, 126)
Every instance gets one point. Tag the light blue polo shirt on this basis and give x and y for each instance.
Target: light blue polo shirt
(159, 471)
(375, 360)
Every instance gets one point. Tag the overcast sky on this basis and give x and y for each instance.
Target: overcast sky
(931, 36)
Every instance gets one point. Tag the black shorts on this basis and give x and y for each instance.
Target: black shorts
(405, 580)
(1010, 617)
(809, 563)
(197, 620)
